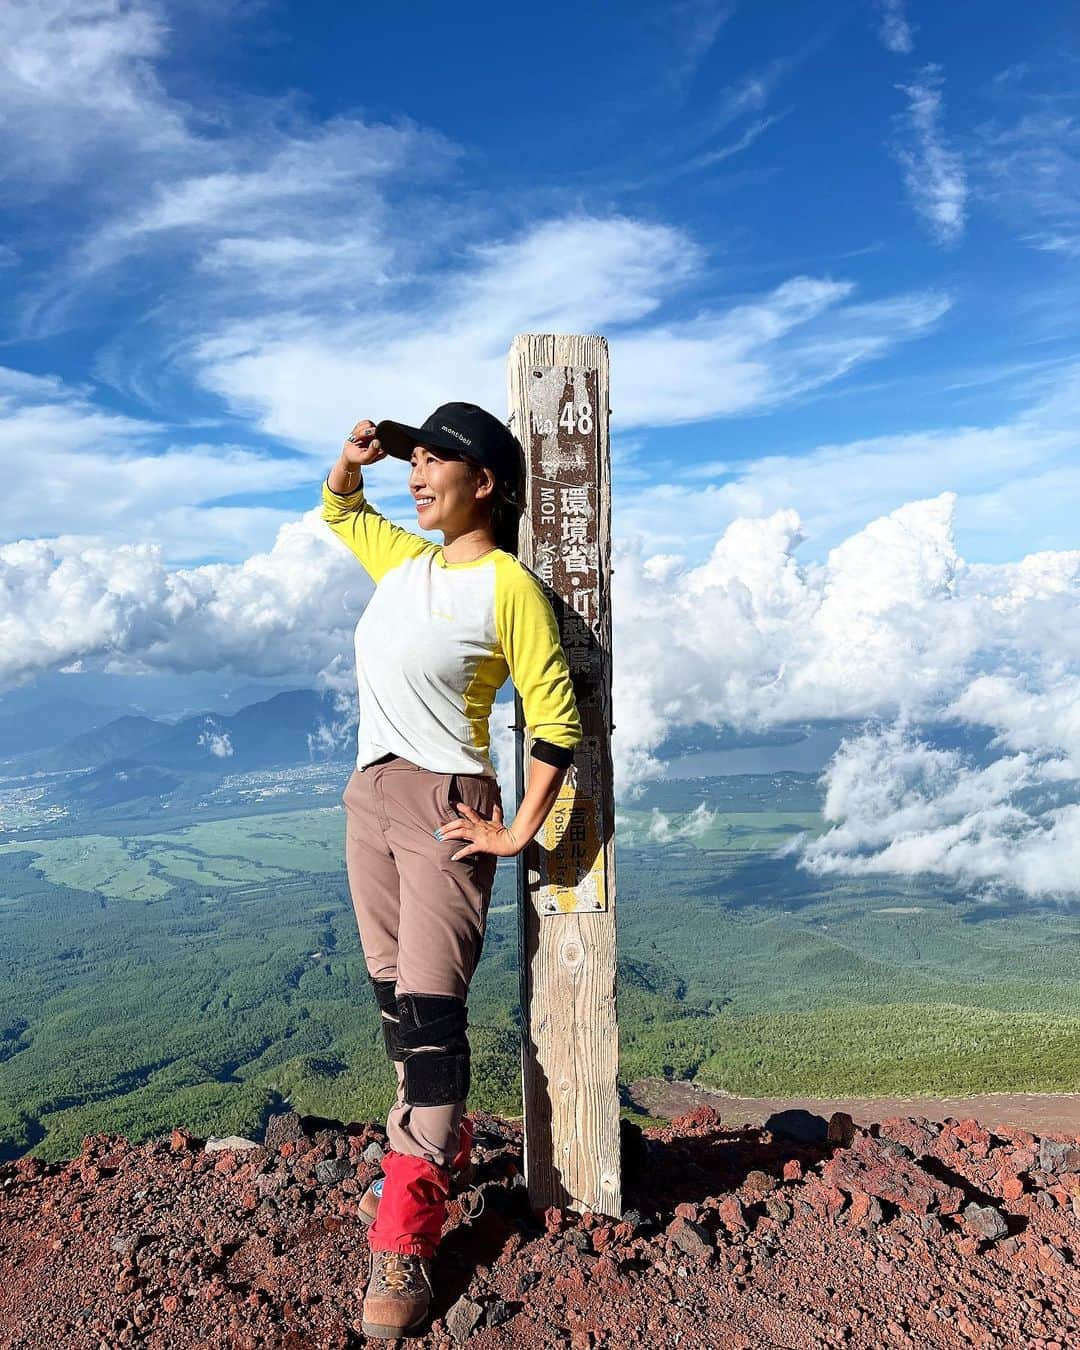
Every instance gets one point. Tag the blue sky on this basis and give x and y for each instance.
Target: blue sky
(231, 230)
(833, 248)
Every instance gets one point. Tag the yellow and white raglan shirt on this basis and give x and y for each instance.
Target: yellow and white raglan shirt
(437, 641)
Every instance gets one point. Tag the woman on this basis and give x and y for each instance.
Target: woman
(424, 820)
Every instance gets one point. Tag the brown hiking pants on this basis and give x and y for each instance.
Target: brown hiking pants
(421, 916)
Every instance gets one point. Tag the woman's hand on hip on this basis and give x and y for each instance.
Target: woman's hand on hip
(480, 835)
(361, 448)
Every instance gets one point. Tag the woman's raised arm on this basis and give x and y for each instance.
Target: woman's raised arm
(377, 542)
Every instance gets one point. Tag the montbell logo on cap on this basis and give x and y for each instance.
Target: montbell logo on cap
(454, 432)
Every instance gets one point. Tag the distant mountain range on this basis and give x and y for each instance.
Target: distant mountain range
(285, 729)
(120, 782)
(272, 731)
(58, 734)
(48, 723)
(58, 705)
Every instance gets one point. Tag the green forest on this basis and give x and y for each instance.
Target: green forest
(208, 974)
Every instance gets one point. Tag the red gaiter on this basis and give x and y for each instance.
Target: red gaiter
(412, 1207)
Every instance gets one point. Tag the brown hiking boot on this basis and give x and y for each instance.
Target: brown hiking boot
(399, 1294)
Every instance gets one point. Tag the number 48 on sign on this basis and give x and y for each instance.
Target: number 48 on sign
(574, 420)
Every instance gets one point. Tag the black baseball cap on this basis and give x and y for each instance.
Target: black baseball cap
(462, 429)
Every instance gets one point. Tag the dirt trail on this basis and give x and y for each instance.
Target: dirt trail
(1040, 1112)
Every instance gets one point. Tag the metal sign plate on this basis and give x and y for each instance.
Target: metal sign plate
(563, 447)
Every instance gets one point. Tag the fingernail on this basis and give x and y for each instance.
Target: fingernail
(438, 834)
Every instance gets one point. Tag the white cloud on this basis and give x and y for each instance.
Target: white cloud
(718, 154)
(894, 620)
(696, 25)
(760, 354)
(1016, 483)
(892, 624)
(933, 172)
(902, 806)
(251, 192)
(76, 79)
(278, 613)
(1030, 172)
(308, 376)
(693, 825)
(305, 380)
(217, 742)
(328, 216)
(893, 27)
(73, 467)
(339, 279)
(310, 200)
(696, 146)
(1027, 719)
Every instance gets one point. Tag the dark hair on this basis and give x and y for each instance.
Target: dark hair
(506, 511)
(505, 522)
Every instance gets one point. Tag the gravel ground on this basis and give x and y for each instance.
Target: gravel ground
(793, 1233)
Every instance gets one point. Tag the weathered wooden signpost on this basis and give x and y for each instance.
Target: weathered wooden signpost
(558, 394)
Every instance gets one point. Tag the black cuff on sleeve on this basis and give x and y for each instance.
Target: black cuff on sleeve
(560, 755)
(353, 493)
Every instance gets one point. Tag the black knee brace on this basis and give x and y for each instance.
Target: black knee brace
(431, 1031)
(388, 1013)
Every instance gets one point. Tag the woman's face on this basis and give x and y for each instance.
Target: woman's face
(444, 488)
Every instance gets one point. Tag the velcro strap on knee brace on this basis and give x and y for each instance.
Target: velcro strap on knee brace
(388, 1015)
(384, 994)
(435, 1048)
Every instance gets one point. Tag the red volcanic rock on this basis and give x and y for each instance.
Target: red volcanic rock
(985, 1221)
(915, 1133)
(29, 1168)
(826, 1200)
(865, 1210)
(971, 1132)
(691, 1237)
(777, 1209)
(1012, 1188)
(1022, 1160)
(870, 1167)
(842, 1129)
(701, 1118)
(731, 1214)
(553, 1219)
(758, 1184)
(860, 1245)
(602, 1237)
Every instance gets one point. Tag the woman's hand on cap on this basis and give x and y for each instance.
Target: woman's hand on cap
(480, 835)
(361, 448)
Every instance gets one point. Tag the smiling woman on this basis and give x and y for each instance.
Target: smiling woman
(455, 476)
(424, 823)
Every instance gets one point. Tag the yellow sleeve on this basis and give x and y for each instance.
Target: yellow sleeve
(377, 542)
(529, 635)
